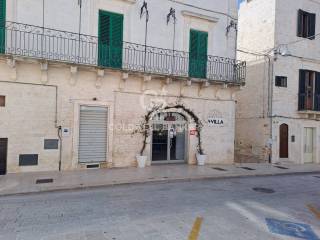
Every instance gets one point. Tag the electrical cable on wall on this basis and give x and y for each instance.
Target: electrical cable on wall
(80, 20)
(144, 11)
(204, 9)
(172, 15)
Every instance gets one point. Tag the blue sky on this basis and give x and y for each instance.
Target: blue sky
(239, 1)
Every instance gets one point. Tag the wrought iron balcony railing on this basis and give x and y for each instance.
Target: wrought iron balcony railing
(43, 43)
(309, 102)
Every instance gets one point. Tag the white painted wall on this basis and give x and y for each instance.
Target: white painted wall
(64, 15)
(256, 27)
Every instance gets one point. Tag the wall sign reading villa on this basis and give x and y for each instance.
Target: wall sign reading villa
(215, 119)
(215, 122)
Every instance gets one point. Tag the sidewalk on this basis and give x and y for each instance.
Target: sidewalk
(27, 182)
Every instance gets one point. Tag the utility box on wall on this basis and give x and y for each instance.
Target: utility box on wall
(51, 144)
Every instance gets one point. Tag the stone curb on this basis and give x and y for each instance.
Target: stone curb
(152, 181)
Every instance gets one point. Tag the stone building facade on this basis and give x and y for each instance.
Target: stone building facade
(78, 79)
(278, 111)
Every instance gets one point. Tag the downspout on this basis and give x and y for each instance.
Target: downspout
(270, 103)
(60, 146)
(59, 131)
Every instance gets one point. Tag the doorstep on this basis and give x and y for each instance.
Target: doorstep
(23, 183)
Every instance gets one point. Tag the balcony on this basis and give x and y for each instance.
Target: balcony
(55, 45)
(309, 105)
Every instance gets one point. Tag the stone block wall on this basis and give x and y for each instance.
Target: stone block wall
(30, 113)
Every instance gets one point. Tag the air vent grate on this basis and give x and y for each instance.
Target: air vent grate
(247, 168)
(280, 167)
(220, 169)
(93, 166)
(263, 190)
(45, 180)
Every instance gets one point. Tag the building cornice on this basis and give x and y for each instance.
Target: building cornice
(129, 1)
(200, 16)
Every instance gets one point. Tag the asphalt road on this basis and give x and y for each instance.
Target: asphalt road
(209, 209)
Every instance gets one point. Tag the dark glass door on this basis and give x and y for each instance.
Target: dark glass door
(168, 142)
(177, 140)
(160, 142)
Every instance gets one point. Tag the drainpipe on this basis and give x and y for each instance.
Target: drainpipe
(59, 130)
(270, 103)
(60, 146)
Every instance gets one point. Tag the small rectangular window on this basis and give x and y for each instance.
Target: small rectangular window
(28, 159)
(306, 24)
(2, 101)
(281, 81)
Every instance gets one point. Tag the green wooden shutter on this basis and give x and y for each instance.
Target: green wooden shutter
(203, 54)
(299, 23)
(198, 51)
(317, 93)
(302, 90)
(104, 39)
(110, 39)
(2, 25)
(193, 53)
(116, 41)
(312, 25)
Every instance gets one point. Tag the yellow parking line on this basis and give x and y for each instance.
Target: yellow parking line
(194, 234)
(314, 210)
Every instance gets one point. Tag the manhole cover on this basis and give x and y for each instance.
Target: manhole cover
(280, 167)
(219, 169)
(46, 180)
(263, 190)
(247, 168)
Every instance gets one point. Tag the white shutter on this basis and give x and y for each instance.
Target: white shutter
(93, 134)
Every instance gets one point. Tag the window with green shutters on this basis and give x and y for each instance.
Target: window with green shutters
(198, 54)
(110, 39)
(2, 25)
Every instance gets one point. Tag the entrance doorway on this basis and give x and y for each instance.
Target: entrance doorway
(168, 138)
(284, 141)
(3, 155)
(93, 138)
(309, 134)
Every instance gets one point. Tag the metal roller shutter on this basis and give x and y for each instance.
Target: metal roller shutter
(93, 134)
